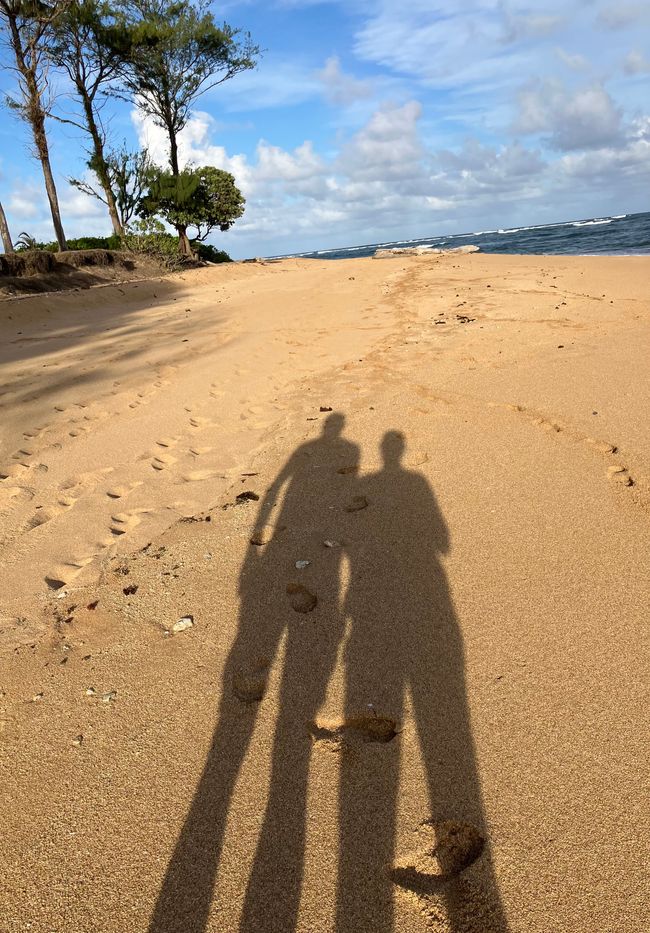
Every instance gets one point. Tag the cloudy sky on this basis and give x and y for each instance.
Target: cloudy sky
(371, 121)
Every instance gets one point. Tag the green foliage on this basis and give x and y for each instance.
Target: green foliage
(174, 53)
(96, 242)
(126, 173)
(25, 241)
(113, 242)
(209, 253)
(203, 198)
(149, 237)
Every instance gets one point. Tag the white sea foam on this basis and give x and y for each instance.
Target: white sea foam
(590, 223)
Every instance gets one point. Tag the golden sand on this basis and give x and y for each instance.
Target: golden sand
(399, 684)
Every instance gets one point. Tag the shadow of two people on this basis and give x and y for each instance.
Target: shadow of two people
(400, 636)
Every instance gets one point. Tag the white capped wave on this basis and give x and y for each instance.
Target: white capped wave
(619, 216)
(590, 223)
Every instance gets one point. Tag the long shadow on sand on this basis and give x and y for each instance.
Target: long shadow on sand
(402, 637)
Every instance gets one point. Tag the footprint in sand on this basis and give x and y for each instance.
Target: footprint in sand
(450, 846)
(162, 461)
(618, 474)
(119, 492)
(362, 728)
(21, 469)
(122, 522)
(550, 426)
(167, 441)
(79, 430)
(41, 516)
(65, 572)
(76, 485)
(197, 421)
(601, 446)
(301, 599)
(250, 687)
(197, 476)
(15, 495)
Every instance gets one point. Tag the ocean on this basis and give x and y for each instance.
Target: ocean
(624, 234)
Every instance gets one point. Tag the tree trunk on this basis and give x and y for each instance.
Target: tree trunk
(173, 151)
(38, 127)
(184, 245)
(32, 111)
(99, 162)
(4, 232)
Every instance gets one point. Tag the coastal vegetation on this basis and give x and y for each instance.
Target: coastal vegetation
(72, 59)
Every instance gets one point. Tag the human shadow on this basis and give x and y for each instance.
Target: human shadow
(271, 603)
(405, 641)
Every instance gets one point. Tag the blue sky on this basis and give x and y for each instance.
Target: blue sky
(367, 122)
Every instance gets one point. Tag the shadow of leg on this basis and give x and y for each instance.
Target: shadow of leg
(369, 779)
(453, 873)
(274, 888)
(184, 901)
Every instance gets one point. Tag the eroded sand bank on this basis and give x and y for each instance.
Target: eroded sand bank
(435, 724)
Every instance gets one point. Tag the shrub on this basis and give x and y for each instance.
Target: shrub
(210, 253)
(150, 238)
(96, 242)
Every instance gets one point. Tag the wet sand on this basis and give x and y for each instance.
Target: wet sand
(438, 722)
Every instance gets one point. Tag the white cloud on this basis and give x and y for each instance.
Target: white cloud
(529, 25)
(28, 210)
(382, 178)
(341, 88)
(575, 61)
(586, 118)
(636, 63)
(450, 44)
(621, 14)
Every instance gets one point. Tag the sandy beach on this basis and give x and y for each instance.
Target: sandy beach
(322, 594)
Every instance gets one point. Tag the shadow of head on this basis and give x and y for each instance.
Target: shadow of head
(333, 425)
(393, 446)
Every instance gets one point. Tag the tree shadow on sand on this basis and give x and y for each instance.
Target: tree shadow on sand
(402, 638)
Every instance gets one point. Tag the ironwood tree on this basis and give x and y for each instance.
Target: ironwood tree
(177, 52)
(88, 45)
(28, 26)
(7, 242)
(127, 175)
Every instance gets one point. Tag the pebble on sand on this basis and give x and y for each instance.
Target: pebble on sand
(358, 503)
(184, 623)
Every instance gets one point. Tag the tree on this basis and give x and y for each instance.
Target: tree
(177, 52)
(87, 44)
(7, 244)
(127, 175)
(29, 26)
(203, 198)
